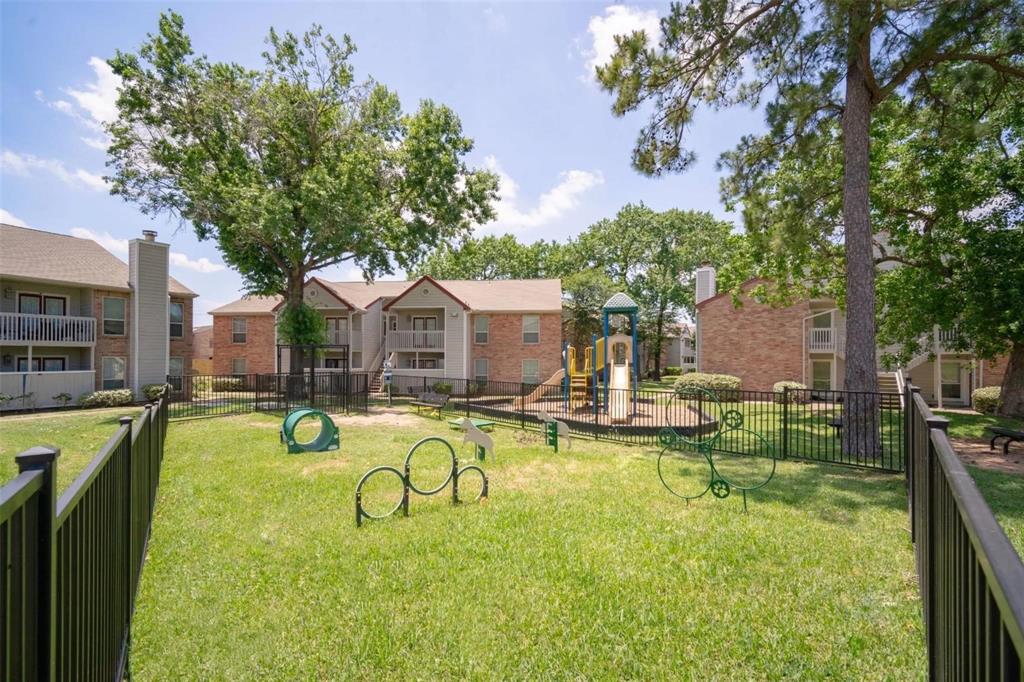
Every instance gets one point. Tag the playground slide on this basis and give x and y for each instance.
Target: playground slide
(540, 391)
(618, 407)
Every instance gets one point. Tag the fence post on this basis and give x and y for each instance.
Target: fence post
(44, 458)
(785, 422)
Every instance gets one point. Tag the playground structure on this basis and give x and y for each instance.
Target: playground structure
(690, 453)
(405, 479)
(327, 438)
(602, 378)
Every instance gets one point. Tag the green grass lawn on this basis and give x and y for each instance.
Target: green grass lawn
(1005, 494)
(579, 566)
(968, 425)
(79, 435)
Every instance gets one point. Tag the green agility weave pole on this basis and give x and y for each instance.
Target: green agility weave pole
(327, 439)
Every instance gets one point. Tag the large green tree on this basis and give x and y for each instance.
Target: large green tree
(489, 257)
(950, 205)
(291, 167)
(824, 69)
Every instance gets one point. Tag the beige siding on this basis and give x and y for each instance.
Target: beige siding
(426, 296)
(147, 265)
(79, 299)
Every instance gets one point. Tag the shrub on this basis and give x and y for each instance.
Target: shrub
(724, 386)
(797, 394)
(113, 398)
(672, 371)
(442, 387)
(62, 398)
(227, 384)
(986, 399)
(153, 391)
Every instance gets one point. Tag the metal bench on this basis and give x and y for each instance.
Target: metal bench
(1010, 435)
(431, 401)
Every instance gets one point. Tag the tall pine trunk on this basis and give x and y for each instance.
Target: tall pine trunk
(860, 421)
(1011, 393)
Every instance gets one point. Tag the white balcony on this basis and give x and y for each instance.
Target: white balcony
(342, 337)
(30, 390)
(825, 340)
(415, 340)
(47, 330)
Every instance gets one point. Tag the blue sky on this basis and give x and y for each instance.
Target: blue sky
(518, 75)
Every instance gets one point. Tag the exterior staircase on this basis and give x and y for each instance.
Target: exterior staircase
(891, 383)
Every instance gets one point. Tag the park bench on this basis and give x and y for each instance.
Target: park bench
(431, 401)
(837, 424)
(1010, 435)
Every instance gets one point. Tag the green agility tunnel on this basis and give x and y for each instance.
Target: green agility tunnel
(327, 439)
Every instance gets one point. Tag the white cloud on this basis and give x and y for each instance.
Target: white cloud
(26, 165)
(99, 98)
(552, 204)
(94, 104)
(11, 219)
(203, 264)
(105, 239)
(120, 246)
(616, 20)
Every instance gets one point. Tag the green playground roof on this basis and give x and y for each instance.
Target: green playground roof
(620, 303)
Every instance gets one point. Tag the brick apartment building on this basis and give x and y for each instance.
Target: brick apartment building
(806, 342)
(74, 318)
(500, 330)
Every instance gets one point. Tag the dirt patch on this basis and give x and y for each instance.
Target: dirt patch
(379, 416)
(977, 453)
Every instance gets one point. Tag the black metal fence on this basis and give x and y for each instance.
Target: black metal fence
(220, 395)
(70, 568)
(971, 578)
(799, 424)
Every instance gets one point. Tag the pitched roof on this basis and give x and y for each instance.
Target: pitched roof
(249, 305)
(501, 295)
(620, 301)
(506, 295)
(26, 253)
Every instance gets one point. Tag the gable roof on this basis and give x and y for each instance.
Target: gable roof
(31, 254)
(249, 305)
(507, 295)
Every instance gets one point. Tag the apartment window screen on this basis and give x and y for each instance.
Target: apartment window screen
(531, 329)
(113, 316)
(238, 330)
(113, 373)
(481, 328)
(177, 316)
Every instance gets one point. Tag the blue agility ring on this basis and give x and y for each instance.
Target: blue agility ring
(327, 439)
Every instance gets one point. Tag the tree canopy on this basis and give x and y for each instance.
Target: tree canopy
(292, 167)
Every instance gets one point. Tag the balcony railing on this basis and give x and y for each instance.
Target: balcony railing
(54, 330)
(415, 340)
(345, 338)
(822, 339)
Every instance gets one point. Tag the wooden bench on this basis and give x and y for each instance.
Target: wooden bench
(1010, 435)
(431, 401)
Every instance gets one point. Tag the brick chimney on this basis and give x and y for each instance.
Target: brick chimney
(148, 270)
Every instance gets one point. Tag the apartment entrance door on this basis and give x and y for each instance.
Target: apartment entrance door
(821, 375)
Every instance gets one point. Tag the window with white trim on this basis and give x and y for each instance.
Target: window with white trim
(113, 372)
(238, 366)
(480, 369)
(114, 313)
(239, 326)
(481, 329)
(531, 371)
(176, 313)
(531, 328)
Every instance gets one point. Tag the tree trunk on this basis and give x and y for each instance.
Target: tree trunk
(293, 299)
(659, 341)
(860, 427)
(1011, 393)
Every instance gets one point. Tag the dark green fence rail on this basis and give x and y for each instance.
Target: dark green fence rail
(796, 424)
(70, 567)
(223, 395)
(971, 578)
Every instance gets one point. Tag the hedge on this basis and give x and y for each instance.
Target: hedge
(153, 391)
(797, 392)
(724, 386)
(228, 384)
(986, 399)
(113, 398)
(672, 371)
